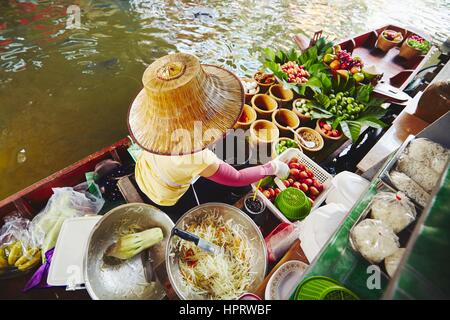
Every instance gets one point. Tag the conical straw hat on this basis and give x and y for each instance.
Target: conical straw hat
(184, 106)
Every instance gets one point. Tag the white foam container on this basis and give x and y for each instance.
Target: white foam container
(320, 174)
(66, 268)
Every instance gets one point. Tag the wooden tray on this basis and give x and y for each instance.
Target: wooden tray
(396, 70)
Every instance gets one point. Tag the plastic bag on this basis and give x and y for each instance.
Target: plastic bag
(64, 203)
(15, 228)
(281, 239)
(405, 184)
(374, 240)
(319, 226)
(346, 189)
(17, 248)
(391, 263)
(395, 210)
(423, 161)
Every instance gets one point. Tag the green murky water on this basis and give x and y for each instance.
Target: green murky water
(64, 93)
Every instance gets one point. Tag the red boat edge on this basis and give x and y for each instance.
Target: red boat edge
(32, 199)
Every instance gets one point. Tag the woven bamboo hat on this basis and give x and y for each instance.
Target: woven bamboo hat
(184, 105)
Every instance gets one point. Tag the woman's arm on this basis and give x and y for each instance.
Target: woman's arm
(225, 174)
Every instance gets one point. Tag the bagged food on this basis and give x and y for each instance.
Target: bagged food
(432, 153)
(17, 248)
(395, 210)
(391, 263)
(15, 228)
(374, 240)
(346, 188)
(64, 203)
(405, 184)
(280, 240)
(319, 226)
(423, 161)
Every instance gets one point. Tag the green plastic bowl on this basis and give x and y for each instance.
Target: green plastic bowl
(322, 288)
(293, 203)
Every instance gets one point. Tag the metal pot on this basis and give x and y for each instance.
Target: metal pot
(127, 279)
(227, 212)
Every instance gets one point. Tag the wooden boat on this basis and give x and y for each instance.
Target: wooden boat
(396, 71)
(29, 201)
(32, 199)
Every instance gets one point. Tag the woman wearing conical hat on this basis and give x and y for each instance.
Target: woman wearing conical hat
(183, 108)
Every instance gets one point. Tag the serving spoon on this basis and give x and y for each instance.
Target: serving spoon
(308, 144)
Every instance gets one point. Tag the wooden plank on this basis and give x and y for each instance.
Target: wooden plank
(129, 192)
(403, 126)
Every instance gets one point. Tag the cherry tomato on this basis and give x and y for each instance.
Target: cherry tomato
(277, 191)
(296, 185)
(272, 192)
(286, 183)
(294, 172)
(318, 185)
(266, 194)
(304, 187)
(309, 182)
(310, 173)
(294, 165)
(303, 175)
(314, 191)
(301, 167)
(291, 181)
(335, 133)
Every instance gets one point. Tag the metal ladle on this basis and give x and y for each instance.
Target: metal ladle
(308, 144)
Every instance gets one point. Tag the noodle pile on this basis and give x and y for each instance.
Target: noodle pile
(224, 276)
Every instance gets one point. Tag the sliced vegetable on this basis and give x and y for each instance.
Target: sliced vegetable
(130, 245)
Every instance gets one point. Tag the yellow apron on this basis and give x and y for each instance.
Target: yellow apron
(164, 179)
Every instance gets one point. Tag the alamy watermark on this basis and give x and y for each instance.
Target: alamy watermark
(373, 282)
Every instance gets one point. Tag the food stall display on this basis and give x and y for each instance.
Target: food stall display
(312, 103)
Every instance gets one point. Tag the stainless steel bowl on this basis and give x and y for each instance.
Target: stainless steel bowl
(228, 212)
(127, 279)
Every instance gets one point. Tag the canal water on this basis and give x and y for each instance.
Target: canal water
(66, 83)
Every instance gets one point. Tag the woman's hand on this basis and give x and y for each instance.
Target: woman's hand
(280, 169)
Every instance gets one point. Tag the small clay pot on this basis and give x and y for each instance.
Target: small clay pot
(284, 118)
(301, 116)
(282, 95)
(408, 52)
(263, 86)
(385, 44)
(249, 113)
(264, 105)
(320, 144)
(263, 134)
(274, 145)
(249, 96)
(264, 131)
(323, 134)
